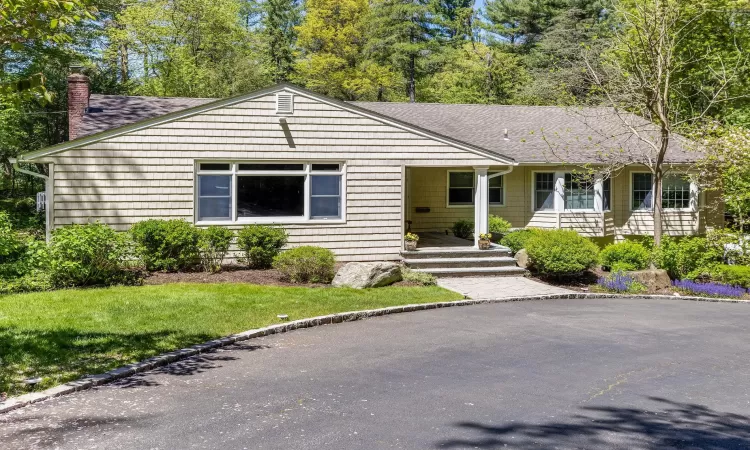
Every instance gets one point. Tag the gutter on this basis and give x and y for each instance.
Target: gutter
(18, 168)
(48, 198)
(504, 172)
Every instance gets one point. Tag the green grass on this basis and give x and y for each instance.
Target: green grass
(63, 335)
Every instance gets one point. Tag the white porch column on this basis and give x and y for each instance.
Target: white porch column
(481, 204)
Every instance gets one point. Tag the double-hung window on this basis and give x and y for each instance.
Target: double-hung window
(579, 191)
(461, 188)
(675, 192)
(643, 191)
(269, 192)
(544, 191)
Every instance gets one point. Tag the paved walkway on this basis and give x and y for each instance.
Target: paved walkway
(498, 287)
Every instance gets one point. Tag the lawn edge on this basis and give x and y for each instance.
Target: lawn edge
(167, 358)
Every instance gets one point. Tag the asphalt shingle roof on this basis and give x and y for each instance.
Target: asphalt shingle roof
(536, 134)
(106, 112)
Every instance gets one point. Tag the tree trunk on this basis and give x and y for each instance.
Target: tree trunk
(658, 177)
(124, 76)
(412, 87)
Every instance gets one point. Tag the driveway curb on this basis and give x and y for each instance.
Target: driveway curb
(170, 357)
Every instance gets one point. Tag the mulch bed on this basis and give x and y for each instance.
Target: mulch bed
(237, 274)
(587, 283)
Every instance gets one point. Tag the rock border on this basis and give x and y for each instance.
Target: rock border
(351, 316)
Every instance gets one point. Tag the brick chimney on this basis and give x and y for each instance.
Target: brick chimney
(78, 100)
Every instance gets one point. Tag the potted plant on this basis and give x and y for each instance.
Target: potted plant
(410, 240)
(485, 241)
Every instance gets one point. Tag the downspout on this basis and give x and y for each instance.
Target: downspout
(17, 168)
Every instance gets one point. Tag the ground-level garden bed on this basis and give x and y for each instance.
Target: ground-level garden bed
(63, 335)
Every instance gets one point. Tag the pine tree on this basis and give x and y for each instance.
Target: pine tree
(455, 19)
(403, 33)
(279, 22)
(521, 22)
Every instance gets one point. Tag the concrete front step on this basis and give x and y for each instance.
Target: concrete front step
(475, 271)
(432, 263)
(453, 253)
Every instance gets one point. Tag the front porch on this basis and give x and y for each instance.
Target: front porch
(437, 197)
(448, 256)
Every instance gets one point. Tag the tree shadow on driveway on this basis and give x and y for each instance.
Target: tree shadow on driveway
(671, 425)
(194, 365)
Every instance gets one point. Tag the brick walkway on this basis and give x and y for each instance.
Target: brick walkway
(498, 287)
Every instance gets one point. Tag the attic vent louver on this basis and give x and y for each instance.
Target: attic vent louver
(284, 103)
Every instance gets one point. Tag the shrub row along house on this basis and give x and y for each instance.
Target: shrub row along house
(351, 176)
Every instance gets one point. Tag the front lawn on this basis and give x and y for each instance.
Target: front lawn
(63, 335)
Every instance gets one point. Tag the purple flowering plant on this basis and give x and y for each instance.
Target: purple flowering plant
(711, 289)
(620, 282)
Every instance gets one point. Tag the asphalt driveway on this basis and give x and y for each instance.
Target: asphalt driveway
(561, 374)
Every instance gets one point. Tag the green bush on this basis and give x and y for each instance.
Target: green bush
(516, 240)
(259, 245)
(499, 227)
(733, 245)
(306, 264)
(423, 278)
(685, 257)
(25, 206)
(628, 255)
(214, 244)
(88, 255)
(12, 248)
(166, 245)
(33, 282)
(463, 229)
(561, 252)
(732, 275)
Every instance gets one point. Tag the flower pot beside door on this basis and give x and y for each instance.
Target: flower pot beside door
(484, 241)
(410, 241)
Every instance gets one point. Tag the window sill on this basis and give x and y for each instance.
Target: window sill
(471, 205)
(664, 210)
(281, 221)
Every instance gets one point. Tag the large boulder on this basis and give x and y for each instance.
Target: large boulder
(654, 279)
(522, 259)
(368, 275)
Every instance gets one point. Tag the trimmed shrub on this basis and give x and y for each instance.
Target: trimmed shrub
(214, 244)
(259, 245)
(686, 257)
(88, 255)
(731, 275)
(499, 227)
(306, 264)
(626, 255)
(561, 252)
(423, 278)
(463, 229)
(516, 240)
(166, 245)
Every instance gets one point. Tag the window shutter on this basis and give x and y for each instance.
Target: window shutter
(284, 103)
